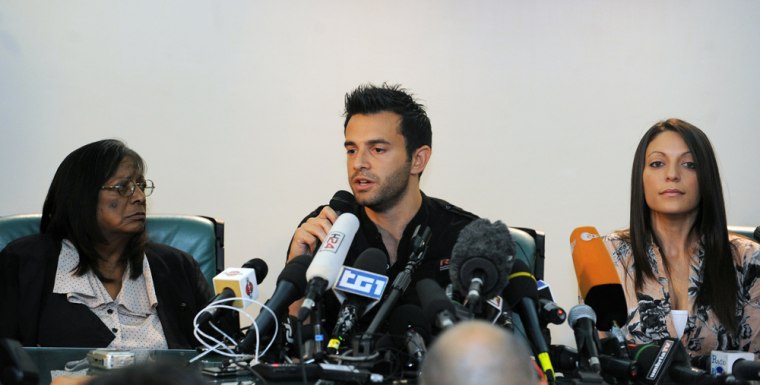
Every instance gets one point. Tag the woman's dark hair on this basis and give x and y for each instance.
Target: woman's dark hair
(70, 209)
(719, 286)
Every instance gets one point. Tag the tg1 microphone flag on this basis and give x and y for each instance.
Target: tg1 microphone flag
(358, 288)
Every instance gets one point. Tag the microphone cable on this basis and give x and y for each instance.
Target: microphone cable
(213, 344)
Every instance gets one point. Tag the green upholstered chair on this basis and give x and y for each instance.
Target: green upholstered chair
(529, 247)
(747, 231)
(200, 236)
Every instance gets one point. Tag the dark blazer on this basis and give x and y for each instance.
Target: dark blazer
(31, 313)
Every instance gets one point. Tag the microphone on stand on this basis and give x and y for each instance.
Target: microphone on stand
(667, 362)
(358, 288)
(411, 332)
(480, 260)
(522, 294)
(583, 319)
(363, 345)
(436, 306)
(291, 285)
(235, 282)
(597, 277)
(741, 365)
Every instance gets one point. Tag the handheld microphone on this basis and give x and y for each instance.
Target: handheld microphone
(328, 261)
(343, 202)
(224, 292)
(521, 295)
(358, 289)
(480, 259)
(582, 319)
(436, 306)
(291, 285)
(597, 277)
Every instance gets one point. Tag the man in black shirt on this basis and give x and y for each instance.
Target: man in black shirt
(388, 144)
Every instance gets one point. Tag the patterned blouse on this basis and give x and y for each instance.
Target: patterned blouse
(132, 316)
(649, 317)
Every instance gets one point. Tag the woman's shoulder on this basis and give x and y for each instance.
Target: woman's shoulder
(168, 254)
(616, 239)
(36, 246)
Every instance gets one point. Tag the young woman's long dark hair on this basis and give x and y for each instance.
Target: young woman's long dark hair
(70, 209)
(719, 285)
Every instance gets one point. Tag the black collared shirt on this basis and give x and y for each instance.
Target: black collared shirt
(445, 221)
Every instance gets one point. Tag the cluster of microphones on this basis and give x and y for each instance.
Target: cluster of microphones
(487, 282)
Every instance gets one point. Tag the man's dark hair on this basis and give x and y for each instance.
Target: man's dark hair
(70, 208)
(370, 99)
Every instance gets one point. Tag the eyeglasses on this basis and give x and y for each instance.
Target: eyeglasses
(127, 189)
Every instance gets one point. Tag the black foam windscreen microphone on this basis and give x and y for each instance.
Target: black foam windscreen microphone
(354, 306)
(260, 270)
(436, 306)
(291, 285)
(480, 259)
(521, 295)
(343, 202)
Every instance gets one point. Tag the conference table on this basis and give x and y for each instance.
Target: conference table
(54, 362)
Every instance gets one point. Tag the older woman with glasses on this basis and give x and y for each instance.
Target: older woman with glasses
(91, 278)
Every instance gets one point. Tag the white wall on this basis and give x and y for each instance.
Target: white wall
(537, 107)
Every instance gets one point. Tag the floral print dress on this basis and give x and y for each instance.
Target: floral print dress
(649, 317)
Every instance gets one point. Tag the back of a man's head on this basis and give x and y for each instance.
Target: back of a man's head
(476, 352)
